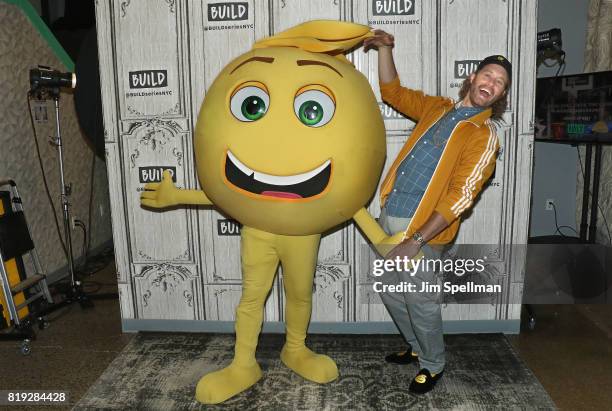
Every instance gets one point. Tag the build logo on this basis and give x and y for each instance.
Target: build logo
(154, 174)
(228, 227)
(234, 11)
(148, 79)
(463, 68)
(393, 7)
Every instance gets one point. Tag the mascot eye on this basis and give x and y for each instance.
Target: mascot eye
(314, 108)
(250, 103)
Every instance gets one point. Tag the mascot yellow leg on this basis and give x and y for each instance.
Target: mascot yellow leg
(260, 256)
(298, 256)
(259, 263)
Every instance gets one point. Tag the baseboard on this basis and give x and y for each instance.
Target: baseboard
(64, 272)
(450, 327)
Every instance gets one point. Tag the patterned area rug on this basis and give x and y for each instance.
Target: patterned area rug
(159, 372)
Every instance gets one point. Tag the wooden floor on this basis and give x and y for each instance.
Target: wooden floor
(570, 352)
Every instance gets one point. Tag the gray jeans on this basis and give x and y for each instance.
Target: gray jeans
(417, 315)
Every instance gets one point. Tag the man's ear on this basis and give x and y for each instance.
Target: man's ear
(472, 77)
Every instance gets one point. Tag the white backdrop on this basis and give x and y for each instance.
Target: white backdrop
(157, 59)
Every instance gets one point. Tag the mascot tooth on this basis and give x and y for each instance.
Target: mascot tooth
(289, 141)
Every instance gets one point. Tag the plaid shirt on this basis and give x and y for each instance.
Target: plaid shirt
(415, 172)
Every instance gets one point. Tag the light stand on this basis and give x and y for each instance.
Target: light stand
(65, 190)
(75, 291)
(47, 81)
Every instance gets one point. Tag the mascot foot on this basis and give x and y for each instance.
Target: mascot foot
(312, 366)
(222, 385)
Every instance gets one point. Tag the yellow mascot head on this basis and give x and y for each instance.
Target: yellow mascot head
(289, 138)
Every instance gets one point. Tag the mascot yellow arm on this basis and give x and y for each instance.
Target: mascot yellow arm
(165, 194)
(375, 234)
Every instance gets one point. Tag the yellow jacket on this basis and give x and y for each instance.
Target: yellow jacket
(467, 162)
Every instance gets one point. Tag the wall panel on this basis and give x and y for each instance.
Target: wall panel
(288, 13)
(159, 57)
(167, 291)
(149, 58)
(473, 30)
(149, 147)
(413, 24)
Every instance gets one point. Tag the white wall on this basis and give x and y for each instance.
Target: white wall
(556, 165)
(178, 264)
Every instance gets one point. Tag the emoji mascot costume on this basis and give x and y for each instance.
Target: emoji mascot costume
(289, 142)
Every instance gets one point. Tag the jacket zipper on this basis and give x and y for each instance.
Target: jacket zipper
(414, 145)
(432, 176)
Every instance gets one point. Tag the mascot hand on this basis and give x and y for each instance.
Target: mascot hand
(160, 195)
(385, 245)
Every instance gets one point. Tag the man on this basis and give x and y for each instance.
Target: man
(434, 180)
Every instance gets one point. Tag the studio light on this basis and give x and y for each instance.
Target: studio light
(46, 78)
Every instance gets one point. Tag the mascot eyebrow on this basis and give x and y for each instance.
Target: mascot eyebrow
(299, 63)
(316, 63)
(261, 59)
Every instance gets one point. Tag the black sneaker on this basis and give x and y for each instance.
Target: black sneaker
(405, 357)
(424, 381)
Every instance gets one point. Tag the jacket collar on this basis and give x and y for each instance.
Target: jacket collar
(481, 117)
(478, 119)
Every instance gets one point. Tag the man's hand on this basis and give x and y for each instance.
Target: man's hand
(380, 39)
(408, 248)
(383, 42)
(160, 195)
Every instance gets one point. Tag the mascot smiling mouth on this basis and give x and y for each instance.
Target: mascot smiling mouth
(297, 186)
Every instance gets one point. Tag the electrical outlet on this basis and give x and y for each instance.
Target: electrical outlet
(550, 202)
